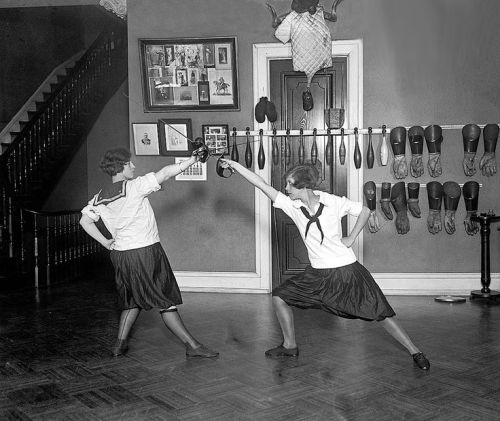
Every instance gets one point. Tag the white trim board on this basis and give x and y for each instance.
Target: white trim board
(390, 283)
(260, 280)
(432, 283)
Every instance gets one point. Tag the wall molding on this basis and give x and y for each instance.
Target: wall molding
(390, 283)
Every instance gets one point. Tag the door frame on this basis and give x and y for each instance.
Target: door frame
(260, 281)
(263, 54)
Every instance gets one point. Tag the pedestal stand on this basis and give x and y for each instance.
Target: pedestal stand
(485, 219)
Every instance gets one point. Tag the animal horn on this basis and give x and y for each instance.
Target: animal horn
(276, 19)
(332, 17)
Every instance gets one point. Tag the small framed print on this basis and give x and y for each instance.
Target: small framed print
(175, 137)
(204, 92)
(196, 172)
(146, 138)
(216, 137)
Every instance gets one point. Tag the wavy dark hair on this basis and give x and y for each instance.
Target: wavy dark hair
(303, 176)
(114, 159)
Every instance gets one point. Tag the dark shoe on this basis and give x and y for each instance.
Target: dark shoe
(307, 100)
(260, 110)
(120, 348)
(201, 352)
(271, 113)
(281, 351)
(421, 360)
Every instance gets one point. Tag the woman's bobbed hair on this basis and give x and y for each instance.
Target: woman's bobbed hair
(114, 159)
(303, 176)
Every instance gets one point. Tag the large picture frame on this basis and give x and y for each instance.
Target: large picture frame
(145, 137)
(175, 136)
(189, 74)
(216, 138)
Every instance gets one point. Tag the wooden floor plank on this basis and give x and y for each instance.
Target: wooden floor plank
(55, 362)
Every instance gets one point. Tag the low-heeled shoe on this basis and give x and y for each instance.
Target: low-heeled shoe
(120, 348)
(200, 352)
(421, 361)
(281, 351)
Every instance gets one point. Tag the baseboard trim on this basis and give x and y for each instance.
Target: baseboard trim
(390, 283)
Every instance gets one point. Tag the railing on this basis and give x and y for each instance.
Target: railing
(50, 131)
(56, 248)
(51, 246)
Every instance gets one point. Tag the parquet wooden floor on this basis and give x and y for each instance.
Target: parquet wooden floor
(55, 363)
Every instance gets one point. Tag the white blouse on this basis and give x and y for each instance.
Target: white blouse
(129, 216)
(328, 252)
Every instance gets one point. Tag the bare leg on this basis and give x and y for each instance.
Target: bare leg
(285, 318)
(392, 326)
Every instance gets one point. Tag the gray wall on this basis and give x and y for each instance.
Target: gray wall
(426, 62)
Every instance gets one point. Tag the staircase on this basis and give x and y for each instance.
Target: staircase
(35, 153)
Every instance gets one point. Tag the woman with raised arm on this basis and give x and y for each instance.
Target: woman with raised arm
(122, 220)
(334, 281)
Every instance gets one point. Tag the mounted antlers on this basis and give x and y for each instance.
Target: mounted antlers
(301, 6)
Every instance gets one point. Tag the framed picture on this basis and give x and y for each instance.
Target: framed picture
(145, 137)
(175, 137)
(189, 74)
(216, 137)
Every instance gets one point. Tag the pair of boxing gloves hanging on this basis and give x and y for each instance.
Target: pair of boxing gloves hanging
(449, 193)
(433, 138)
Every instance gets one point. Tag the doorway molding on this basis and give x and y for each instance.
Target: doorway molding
(263, 54)
(260, 281)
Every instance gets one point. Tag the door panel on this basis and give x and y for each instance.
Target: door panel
(288, 250)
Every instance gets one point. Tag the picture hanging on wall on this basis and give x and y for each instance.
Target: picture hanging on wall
(146, 138)
(189, 74)
(216, 137)
(175, 135)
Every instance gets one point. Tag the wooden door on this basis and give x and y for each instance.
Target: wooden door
(289, 254)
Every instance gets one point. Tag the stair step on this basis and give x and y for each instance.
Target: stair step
(5, 146)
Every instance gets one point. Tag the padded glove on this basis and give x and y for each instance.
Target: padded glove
(413, 207)
(470, 136)
(471, 227)
(398, 200)
(416, 138)
(370, 192)
(435, 198)
(385, 200)
(488, 164)
(452, 193)
(433, 139)
(434, 223)
(398, 144)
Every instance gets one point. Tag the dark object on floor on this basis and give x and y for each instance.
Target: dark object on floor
(201, 352)
(120, 348)
(281, 351)
(422, 362)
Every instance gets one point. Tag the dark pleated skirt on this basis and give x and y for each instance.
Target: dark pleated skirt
(348, 291)
(144, 278)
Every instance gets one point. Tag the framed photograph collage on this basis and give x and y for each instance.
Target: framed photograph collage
(189, 74)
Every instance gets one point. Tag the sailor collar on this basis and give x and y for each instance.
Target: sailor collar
(111, 192)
